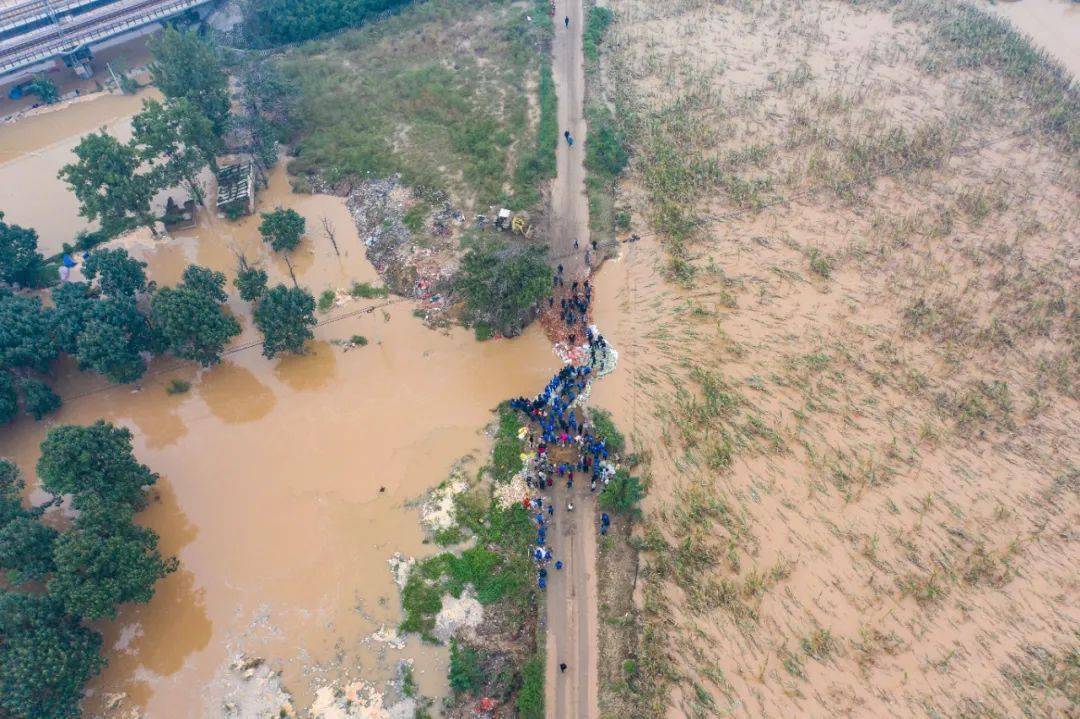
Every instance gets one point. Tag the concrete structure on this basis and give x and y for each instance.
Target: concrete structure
(35, 34)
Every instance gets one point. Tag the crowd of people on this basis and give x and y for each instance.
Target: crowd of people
(563, 446)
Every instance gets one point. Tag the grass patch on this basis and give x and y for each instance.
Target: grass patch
(530, 698)
(483, 331)
(596, 25)
(326, 300)
(177, 386)
(367, 291)
(606, 430)
(506, 454)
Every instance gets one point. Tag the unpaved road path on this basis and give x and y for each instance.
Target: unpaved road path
(571, 598)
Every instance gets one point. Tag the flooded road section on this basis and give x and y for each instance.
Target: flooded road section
(284, 483)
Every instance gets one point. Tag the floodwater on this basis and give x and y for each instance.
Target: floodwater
(34, 149)
(284, 483)
(1054, 25)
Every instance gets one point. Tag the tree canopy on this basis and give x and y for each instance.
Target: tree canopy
(94, 461)
(112, 339)
(104, 560)
(281, 21)
(500, 285)
(25, 340)
(46, 656)
(26, 549)
(107, 181)
(178, 141)
(20, 262)
(191, 318)
(186, 67)
(121, 274)
(251, 283)
(285, 316)
(282, 229)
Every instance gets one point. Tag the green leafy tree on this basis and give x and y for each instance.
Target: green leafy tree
(38, 398)
(207, 281)
(282, 229)
(46, 89)
(186, 67)
(623, 493)
(9, 400)
(501, 285)
(25, 339)
(105, 560)
(26, 549)
(72, 303)
(11, 489)
(46, 656)
(281, 21)
(179, 140)
(109, 185)
(121, 274)
(191, 318)
(285, 316)
(96, 461)
(20, 262)
(109, 350)
(251, 283)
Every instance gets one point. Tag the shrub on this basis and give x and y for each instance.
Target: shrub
(367, 291)
(326, 300)
(466, 668)
(623, 493)
(359, 340)
(606, 430)
(530, 698)
(177, 386)
(502, 284)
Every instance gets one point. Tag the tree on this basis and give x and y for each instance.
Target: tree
(111, 341)
(105, 560)
(500, 285)
(285, 315)
(26, 549)
(38, 398)
(93, 462)
(9, 400)
(11, 489)
(181, 139)
(191, 318)
(121, 274)
(207, 281)
(282, 229)
(45, 88)
(107, 181)
(281, 21)
(46, 656)
(250, 283)
(186, 67)
(20, 262)
(25, 337)
(72, 303)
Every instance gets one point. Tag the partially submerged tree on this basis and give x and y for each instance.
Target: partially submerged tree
(186, 67)
(285, 316)
(178, 141)
(105, 560)
(26, 549)
(25, 337)
(191, 318)
(96, 461)
(282, 229)
(250, 282)
(112, 340)
(501, 285)
(121, 274)
(109, 185)
(46, 657)
(20, 262)
(38, 398)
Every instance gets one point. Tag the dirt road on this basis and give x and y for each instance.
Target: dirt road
(571, 599)
(569, 204)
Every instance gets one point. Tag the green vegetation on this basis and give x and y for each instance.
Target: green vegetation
(466, 668)
(606, 430)
(44, 88)
(285, 316)
(530, 698)
(596, 25)
(501, 285)
(102, 559)
(326, 300)
(121, 275)
(177, 386)
(250, 283)
(191, 318)
(38, 398)
(623, 493)
(367, 291)
(180, 140)
(186, 67)
(538, 164)
(506, 454)
(282, 229)
(283, 21)
(444, 115)
(20, 262)
(359, 340)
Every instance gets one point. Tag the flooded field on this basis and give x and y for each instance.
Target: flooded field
(284, 483)
(1052, 24)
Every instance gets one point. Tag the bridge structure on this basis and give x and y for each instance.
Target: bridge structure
(35, 34)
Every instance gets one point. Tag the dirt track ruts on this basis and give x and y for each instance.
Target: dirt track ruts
(571, 595)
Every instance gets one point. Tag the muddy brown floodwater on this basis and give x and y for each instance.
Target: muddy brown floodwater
(272, 471)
